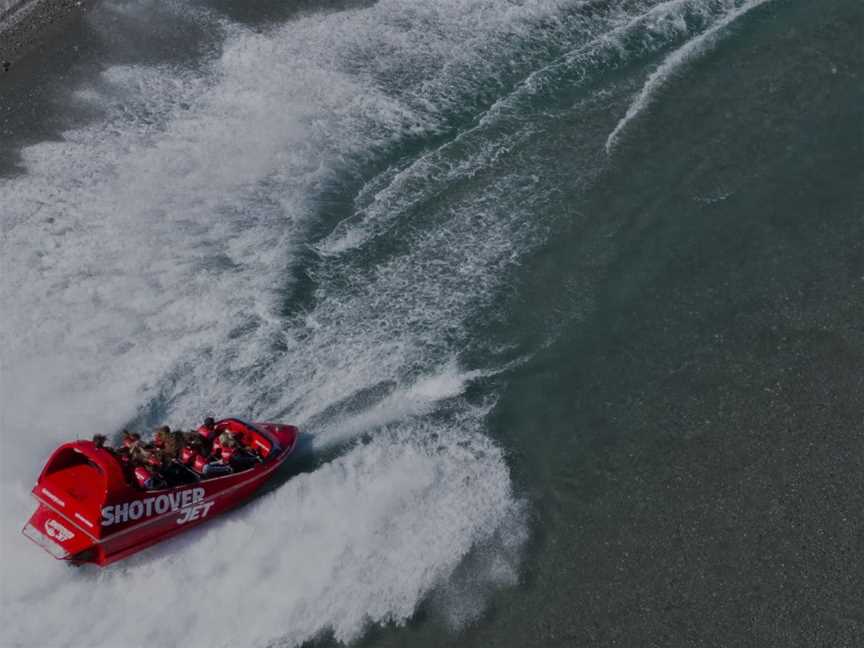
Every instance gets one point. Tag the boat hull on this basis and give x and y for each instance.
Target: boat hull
(132, 520)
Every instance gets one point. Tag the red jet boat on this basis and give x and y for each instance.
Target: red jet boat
(90, 512)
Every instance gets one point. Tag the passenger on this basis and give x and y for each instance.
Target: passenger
(173, 443)
(193, 445)
(227, 453)
(187, 455)
(130, 439)
(218, 463)
(238, 457)
(161, 435)
(216, 447)
(154, 459)
(208, 429)
(138, 455)
(147, 479)
(161, 462)
(135, 450)
(199, 463)
(227, 440)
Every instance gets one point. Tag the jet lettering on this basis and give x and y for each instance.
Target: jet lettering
(195, 512)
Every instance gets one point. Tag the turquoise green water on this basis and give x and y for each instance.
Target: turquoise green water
(568, 297)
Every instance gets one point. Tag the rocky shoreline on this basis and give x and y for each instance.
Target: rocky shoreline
(26, 25)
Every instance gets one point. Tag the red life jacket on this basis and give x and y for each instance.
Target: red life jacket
(142, 476)
(154, 461)
(217, 444)
(187, 455)
(208, 433)
(228, 454)
(199, 462)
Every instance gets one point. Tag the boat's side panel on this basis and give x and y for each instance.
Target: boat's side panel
(125, 544)
(204, 501)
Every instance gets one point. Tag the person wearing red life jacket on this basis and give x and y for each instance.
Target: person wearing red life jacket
(217, 461)
(146, 471)
(194, 453)
(161, 436)
(227, 453)
(193, 446)
(130, 439)
(147, 479)
(122, 450)
(233, 453)
(135, 450)
(187, 455)
(173, 444)
(207, 430)
(165, 458)
(226, 440)
(192, 439)
(154, 460)
(199, 463)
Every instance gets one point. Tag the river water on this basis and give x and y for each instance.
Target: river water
(566, 297)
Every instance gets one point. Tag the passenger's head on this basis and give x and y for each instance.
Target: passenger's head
(209, 422)
(99, 440)
(130, 438)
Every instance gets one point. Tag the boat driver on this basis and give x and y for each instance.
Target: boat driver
(228, 440)
(231, 451)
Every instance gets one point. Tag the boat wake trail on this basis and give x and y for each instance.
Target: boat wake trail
(695, 47)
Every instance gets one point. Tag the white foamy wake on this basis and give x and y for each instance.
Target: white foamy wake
(693, 48)
(613, 41)
(144, 262)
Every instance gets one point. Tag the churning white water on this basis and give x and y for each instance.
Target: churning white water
(146, 266)
(145, 262)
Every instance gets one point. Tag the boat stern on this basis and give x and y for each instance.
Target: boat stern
(56, 535)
